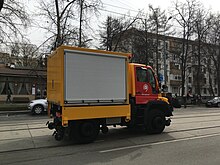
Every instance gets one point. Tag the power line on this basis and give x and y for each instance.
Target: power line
(124, 4)
(120, 7)
(117, 13)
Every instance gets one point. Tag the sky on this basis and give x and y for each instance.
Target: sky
(37, 35)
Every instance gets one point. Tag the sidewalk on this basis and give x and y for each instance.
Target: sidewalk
(13, 108)
(25, 135)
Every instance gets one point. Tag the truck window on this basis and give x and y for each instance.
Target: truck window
(152, 80)
(141, 75)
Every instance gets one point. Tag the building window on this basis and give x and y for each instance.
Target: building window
(190, 69)
(190, 79)
(175, 90)
(174, 57)
(177, 66)
(189, 59)
(205, 91)
(160, 55)
(204, 80)
(166, 44)
(177, 77)
(159, 43)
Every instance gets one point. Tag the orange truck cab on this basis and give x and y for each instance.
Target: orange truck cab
(89, 90)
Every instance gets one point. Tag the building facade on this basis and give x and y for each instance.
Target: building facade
(21, 82)
(166, 51)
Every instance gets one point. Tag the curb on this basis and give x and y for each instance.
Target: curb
(10, 112)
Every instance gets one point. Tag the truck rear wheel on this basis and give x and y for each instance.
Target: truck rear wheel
(156, 122)
(84, 131)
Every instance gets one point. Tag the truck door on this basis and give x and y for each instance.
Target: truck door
(146, 85)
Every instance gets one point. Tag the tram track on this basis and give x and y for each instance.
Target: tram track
(69, 143)
(176, 120)
(187, 124)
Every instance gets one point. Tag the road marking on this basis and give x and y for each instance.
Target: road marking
(158, 143)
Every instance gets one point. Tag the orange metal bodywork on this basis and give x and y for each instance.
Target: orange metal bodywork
(55, 90)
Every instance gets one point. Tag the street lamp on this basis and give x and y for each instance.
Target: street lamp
(164, 53)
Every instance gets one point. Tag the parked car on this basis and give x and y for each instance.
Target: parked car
(38, 106)
(215, 102)
(172, 98)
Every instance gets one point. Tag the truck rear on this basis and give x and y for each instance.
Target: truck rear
(89, 90)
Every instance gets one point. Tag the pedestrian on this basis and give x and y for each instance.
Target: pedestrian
(184, 100)
(189, 95)
(8, 100)
(45, 93)
(199, 99)
(38, 94)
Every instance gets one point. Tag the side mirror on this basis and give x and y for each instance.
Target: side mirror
(164, 88)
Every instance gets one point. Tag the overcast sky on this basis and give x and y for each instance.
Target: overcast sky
(118, 7)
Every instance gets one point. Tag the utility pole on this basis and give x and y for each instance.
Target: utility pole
(80, 22)
(58, 42)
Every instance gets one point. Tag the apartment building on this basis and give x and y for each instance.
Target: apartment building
(169, 53)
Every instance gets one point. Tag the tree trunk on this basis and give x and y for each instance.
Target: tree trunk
(146, 42)
(80, 23)
(58, 43)
(199, 68)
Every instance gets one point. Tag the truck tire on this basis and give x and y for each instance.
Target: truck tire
(156, 122)
(83, 132)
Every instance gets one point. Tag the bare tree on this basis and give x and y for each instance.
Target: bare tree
(24, 51)
(13, 18)
(115, 30)
(142, 43)
(158, 21)
(184, 14)
(214, 49)
(202, 25)
(86, 9)
(62, 19)
(111, 29)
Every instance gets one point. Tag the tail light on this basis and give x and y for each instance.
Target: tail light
(58, 114)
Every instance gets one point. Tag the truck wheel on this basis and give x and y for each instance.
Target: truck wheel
(84, 131)
(37, 110)
(156, 122)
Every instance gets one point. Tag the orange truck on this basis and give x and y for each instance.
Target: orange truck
(89, 90)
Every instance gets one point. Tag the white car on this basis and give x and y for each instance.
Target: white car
(38, 106)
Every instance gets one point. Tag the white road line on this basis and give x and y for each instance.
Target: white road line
(158, 143)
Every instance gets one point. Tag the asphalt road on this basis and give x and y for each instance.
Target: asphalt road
(193, 138)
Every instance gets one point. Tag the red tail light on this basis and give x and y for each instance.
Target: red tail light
(58, 114)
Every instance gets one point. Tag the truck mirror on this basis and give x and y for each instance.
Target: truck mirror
(164, 88)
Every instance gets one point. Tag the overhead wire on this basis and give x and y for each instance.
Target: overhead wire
(109, 11)
(120, 7)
